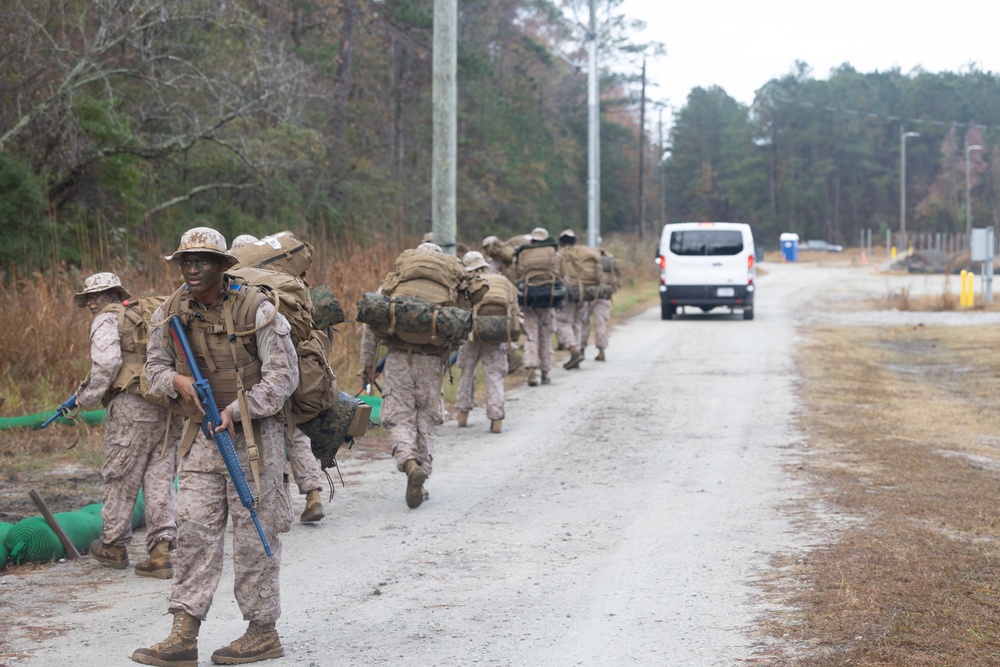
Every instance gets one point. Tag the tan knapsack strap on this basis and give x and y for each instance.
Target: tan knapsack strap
(166, 433)
(190, 433)
(392, 316)
(434, 320)
(243, 334)
(253, 451)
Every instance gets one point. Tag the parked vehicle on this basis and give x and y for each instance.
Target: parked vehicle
(821, 246)
(707, 265)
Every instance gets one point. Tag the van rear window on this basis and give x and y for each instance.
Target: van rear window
(706, 242)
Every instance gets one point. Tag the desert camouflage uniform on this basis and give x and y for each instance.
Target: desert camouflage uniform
(493, 356)
(134, 431)
(600, 309)
(207, 497)
(304, 465)
(412, 404)
(570, 324)
(538, 335)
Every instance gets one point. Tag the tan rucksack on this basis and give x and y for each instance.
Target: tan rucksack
(277, 252)
(134, 317)
(537, 263)
(582, 265)
(496, 319)
(317, 389)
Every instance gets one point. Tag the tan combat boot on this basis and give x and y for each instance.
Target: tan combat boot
(179, 649)
(259, 642)
(574, 359)
(496, 425)
(532, 377)
(463, 418)
(600, 355)
(159, 564)
(415, 478)
(116, 557)
(545, 378)
(314, 507)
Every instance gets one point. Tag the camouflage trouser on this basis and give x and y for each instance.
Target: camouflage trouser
(206, 501)
(134, 432)
(305, 467)
(494, 359)
(538, 332)
(411, 405)
(600, 309)
(570, 323)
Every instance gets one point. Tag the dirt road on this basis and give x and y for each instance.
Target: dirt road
(621, 518)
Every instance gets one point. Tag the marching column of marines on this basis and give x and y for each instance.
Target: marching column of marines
(433, 313)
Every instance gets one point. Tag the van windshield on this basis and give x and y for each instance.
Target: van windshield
(706, 242)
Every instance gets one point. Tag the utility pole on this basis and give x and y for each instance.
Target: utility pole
(445, 152)
(661, 198)
(593, 135)
(642, 155)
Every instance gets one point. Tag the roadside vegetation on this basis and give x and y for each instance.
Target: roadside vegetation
(903, 441)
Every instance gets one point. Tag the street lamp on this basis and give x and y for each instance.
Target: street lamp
(902, 183)
(968, 188)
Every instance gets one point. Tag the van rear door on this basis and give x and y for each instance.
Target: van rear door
(706, 256)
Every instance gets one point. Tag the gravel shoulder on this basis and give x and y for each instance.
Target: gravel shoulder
(624, 515)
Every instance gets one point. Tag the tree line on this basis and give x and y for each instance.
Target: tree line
(122, 123)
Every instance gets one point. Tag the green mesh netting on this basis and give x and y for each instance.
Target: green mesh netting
(32, 541)
(4, 528)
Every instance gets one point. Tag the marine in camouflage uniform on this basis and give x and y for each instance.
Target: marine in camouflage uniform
(138, 451)
(600, 309)
(538, 326)
(208, 499)
(493, 357)
(571, 320)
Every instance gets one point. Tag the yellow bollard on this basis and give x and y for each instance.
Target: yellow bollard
(966, 297)
(892, 252)
(970, 290)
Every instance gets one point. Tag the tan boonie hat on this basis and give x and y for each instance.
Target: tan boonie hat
(539, 234)
(474, 261)
(428, 238)
(206, 240)
(242, 240)
(489, 240)
(568, 233)
(100, 282)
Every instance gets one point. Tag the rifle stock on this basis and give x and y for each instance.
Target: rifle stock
(213, 418)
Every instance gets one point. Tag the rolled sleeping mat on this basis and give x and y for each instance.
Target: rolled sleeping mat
(4, 556)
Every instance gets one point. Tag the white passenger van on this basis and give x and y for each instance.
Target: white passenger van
(706, 265)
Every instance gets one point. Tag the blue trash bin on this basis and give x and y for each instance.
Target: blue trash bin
(789, 247)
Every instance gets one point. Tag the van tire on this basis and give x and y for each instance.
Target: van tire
(748, 313)
(667, 311)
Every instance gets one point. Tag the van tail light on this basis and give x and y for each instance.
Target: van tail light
(750, 269)
(662, 260)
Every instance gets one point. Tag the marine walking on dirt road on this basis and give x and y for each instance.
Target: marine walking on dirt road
(426, 301)
(536, 267)
(600, 308)
(244, 349)
(140, 445)
(495, 325)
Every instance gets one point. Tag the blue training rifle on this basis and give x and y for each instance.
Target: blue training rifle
(213, 417)
(69, 404)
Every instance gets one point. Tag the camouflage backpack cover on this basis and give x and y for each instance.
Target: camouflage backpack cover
(424, 304)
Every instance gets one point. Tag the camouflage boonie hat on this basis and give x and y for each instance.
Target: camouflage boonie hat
(429, 247)
(203, 240)
(242, 240)
(474, 261)
(100, 282)
(567, 233)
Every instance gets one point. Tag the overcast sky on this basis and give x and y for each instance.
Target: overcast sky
(739, 45)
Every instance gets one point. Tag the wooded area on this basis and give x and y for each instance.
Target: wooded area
(124, 123)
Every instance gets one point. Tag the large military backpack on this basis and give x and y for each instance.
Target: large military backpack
(277, 252)
(318, 408)
(583, 271)
(495, 319)
(612, 271)
(134, 316)
(538, 283)
(423, 305)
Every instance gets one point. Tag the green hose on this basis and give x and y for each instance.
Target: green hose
(34, 421)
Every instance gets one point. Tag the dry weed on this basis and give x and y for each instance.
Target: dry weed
(901, 425)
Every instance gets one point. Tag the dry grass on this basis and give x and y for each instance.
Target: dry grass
(901, 426)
